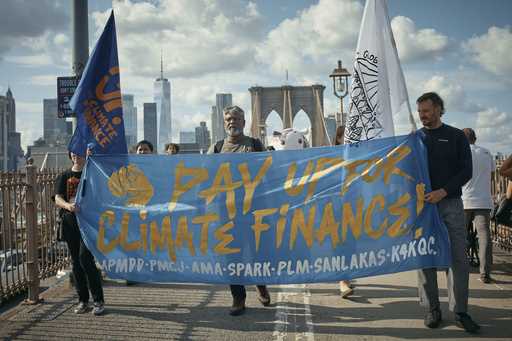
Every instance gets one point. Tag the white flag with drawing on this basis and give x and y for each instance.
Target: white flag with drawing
(378, 86)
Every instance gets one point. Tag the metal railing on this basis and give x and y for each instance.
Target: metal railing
(13, 237)
(29, 250)
(501, 235)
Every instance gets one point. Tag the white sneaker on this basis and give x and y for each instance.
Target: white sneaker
(98, 309)
(345, 289)
(81, 308)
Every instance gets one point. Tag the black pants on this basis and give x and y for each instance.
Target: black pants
(238, 291)
(87, 276)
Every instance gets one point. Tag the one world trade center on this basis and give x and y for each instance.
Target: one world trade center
(162, 98)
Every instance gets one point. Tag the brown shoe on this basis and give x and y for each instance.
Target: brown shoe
(238, 307)
(263, 295)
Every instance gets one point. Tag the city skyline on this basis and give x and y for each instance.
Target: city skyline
(258, 43)
(57, 131)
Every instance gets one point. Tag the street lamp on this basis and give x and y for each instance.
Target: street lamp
(340, 86)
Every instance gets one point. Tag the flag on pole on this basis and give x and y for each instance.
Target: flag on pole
(378, 87)
(97, 100)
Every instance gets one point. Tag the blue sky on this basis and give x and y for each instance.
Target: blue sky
(460, 49)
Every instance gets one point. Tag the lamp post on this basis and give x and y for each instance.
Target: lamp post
(80, 25)
(340, 87)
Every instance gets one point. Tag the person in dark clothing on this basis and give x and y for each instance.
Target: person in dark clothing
(237, 142)
(86, 274)
(450, 167)
(144, 147)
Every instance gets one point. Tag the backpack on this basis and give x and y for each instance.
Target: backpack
(256, 145)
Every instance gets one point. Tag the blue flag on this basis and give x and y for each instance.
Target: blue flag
(97, 100)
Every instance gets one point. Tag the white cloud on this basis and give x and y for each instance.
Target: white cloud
(416, 44)
(311, 43)
(44, 80)
(60, 39)
(29, 121)
(493, 128)
(20, 20)
(32, 61)
(492, 51)
(196, 36)
(452, 93)
(48, 49)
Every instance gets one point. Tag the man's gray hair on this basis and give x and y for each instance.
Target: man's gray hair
(234, 110)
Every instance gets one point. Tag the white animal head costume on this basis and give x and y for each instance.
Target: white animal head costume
(289, 139)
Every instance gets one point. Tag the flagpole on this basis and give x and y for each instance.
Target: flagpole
(80, 27)
(411, 118)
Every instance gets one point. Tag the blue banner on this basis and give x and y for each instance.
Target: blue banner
(97, 100)
(314, 215)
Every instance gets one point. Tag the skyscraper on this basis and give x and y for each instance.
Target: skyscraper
(203, 136)
(10, 140)
(221, 101)
(187, 137)
(162, 96)
(130, 120)
(55, 129)
(213, 121)
(11, 109)
(150, 123)
(4, 133)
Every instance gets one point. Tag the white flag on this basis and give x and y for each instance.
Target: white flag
(378, 86)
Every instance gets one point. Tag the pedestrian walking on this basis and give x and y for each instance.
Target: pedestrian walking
(450, 167)
(346, 287)
(237, 142)
(86, 274)
(476, 196)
